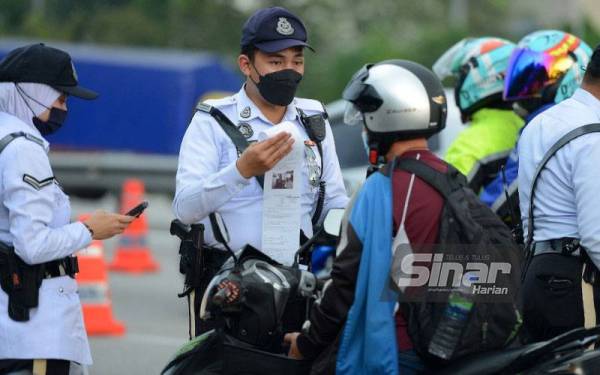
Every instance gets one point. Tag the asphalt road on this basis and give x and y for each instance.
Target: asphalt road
(155, 319)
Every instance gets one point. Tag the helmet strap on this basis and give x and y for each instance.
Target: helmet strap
(549, 92)
(377, 151)
(375, 159)
(373, 155)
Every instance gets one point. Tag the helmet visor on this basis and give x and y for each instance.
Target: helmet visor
(529, 72)
(352, 115)
(446, 65)
(356, 86)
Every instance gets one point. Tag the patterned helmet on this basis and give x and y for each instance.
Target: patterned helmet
(478, 64)
(547, 65)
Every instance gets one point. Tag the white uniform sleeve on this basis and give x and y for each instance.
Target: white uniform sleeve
(201, 188)
(31, 206)
(586, 175)
(335, 191)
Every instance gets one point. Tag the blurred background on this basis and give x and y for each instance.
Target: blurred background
(153, 60)
(346, 34)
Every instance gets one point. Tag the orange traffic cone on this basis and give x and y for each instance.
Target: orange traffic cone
(133, 254)
(94, 292)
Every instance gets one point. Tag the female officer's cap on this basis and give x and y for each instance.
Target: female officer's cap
(38, 63)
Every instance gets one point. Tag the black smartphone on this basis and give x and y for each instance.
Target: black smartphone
(137, 210)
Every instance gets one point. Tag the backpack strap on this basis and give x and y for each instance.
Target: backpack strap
(12, 136)
(239, 141)
(444, 182)
(575, 133)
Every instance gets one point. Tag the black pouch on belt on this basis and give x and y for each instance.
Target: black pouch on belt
(21, 282)
(591, 274)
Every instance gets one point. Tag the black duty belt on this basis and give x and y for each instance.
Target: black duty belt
(22, 281)
(61, 267)
(565, 246)
(570, 247)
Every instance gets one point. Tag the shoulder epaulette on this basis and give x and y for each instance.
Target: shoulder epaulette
(12, 136)
(203, 107)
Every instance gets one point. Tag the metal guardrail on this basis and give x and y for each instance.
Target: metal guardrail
(106, 171)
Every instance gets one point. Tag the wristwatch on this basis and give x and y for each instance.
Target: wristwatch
(88, 228)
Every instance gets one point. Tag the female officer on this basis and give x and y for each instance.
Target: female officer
(41, 325)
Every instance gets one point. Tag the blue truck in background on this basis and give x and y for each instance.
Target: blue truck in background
(135, 127)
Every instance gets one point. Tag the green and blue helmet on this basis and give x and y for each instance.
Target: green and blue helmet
(479, 66)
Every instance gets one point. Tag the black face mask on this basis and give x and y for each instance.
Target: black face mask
(55, 121)
(279, 88)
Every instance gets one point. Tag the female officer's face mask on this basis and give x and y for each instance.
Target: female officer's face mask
(278, 88)
(55, 121)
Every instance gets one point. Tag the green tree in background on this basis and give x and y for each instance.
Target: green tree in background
(346, 34)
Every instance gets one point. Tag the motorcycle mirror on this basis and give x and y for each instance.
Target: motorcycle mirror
(219, 228)
(333, 221)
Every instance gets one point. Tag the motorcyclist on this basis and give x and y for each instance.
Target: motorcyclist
(478, 66)
(546, 68)
(400, 104)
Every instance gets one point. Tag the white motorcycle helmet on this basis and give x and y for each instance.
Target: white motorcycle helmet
(394, 100)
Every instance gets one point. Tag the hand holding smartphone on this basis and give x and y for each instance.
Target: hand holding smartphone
(137, 210)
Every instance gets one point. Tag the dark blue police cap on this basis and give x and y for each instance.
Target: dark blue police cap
(38, 63)
(274, 29)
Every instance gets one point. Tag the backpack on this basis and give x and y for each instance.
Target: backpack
(465, 222)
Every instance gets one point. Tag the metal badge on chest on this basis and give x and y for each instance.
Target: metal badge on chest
(246, 112)
(314, 167)
(246, 130)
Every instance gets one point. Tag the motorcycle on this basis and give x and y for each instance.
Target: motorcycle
(253, 300)
(250, 303)
(571, 353)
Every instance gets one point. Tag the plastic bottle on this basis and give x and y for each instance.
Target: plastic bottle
(452, 324)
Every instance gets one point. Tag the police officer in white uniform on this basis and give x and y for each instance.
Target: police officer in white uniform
(560, 286)
(41, 327)
(212, 177)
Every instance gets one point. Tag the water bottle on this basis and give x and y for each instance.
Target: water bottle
(452, 323)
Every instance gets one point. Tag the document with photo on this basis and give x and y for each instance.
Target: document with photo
(281, 200)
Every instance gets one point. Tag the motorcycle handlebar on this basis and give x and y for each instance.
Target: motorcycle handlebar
(321, 284)
(220, 297)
